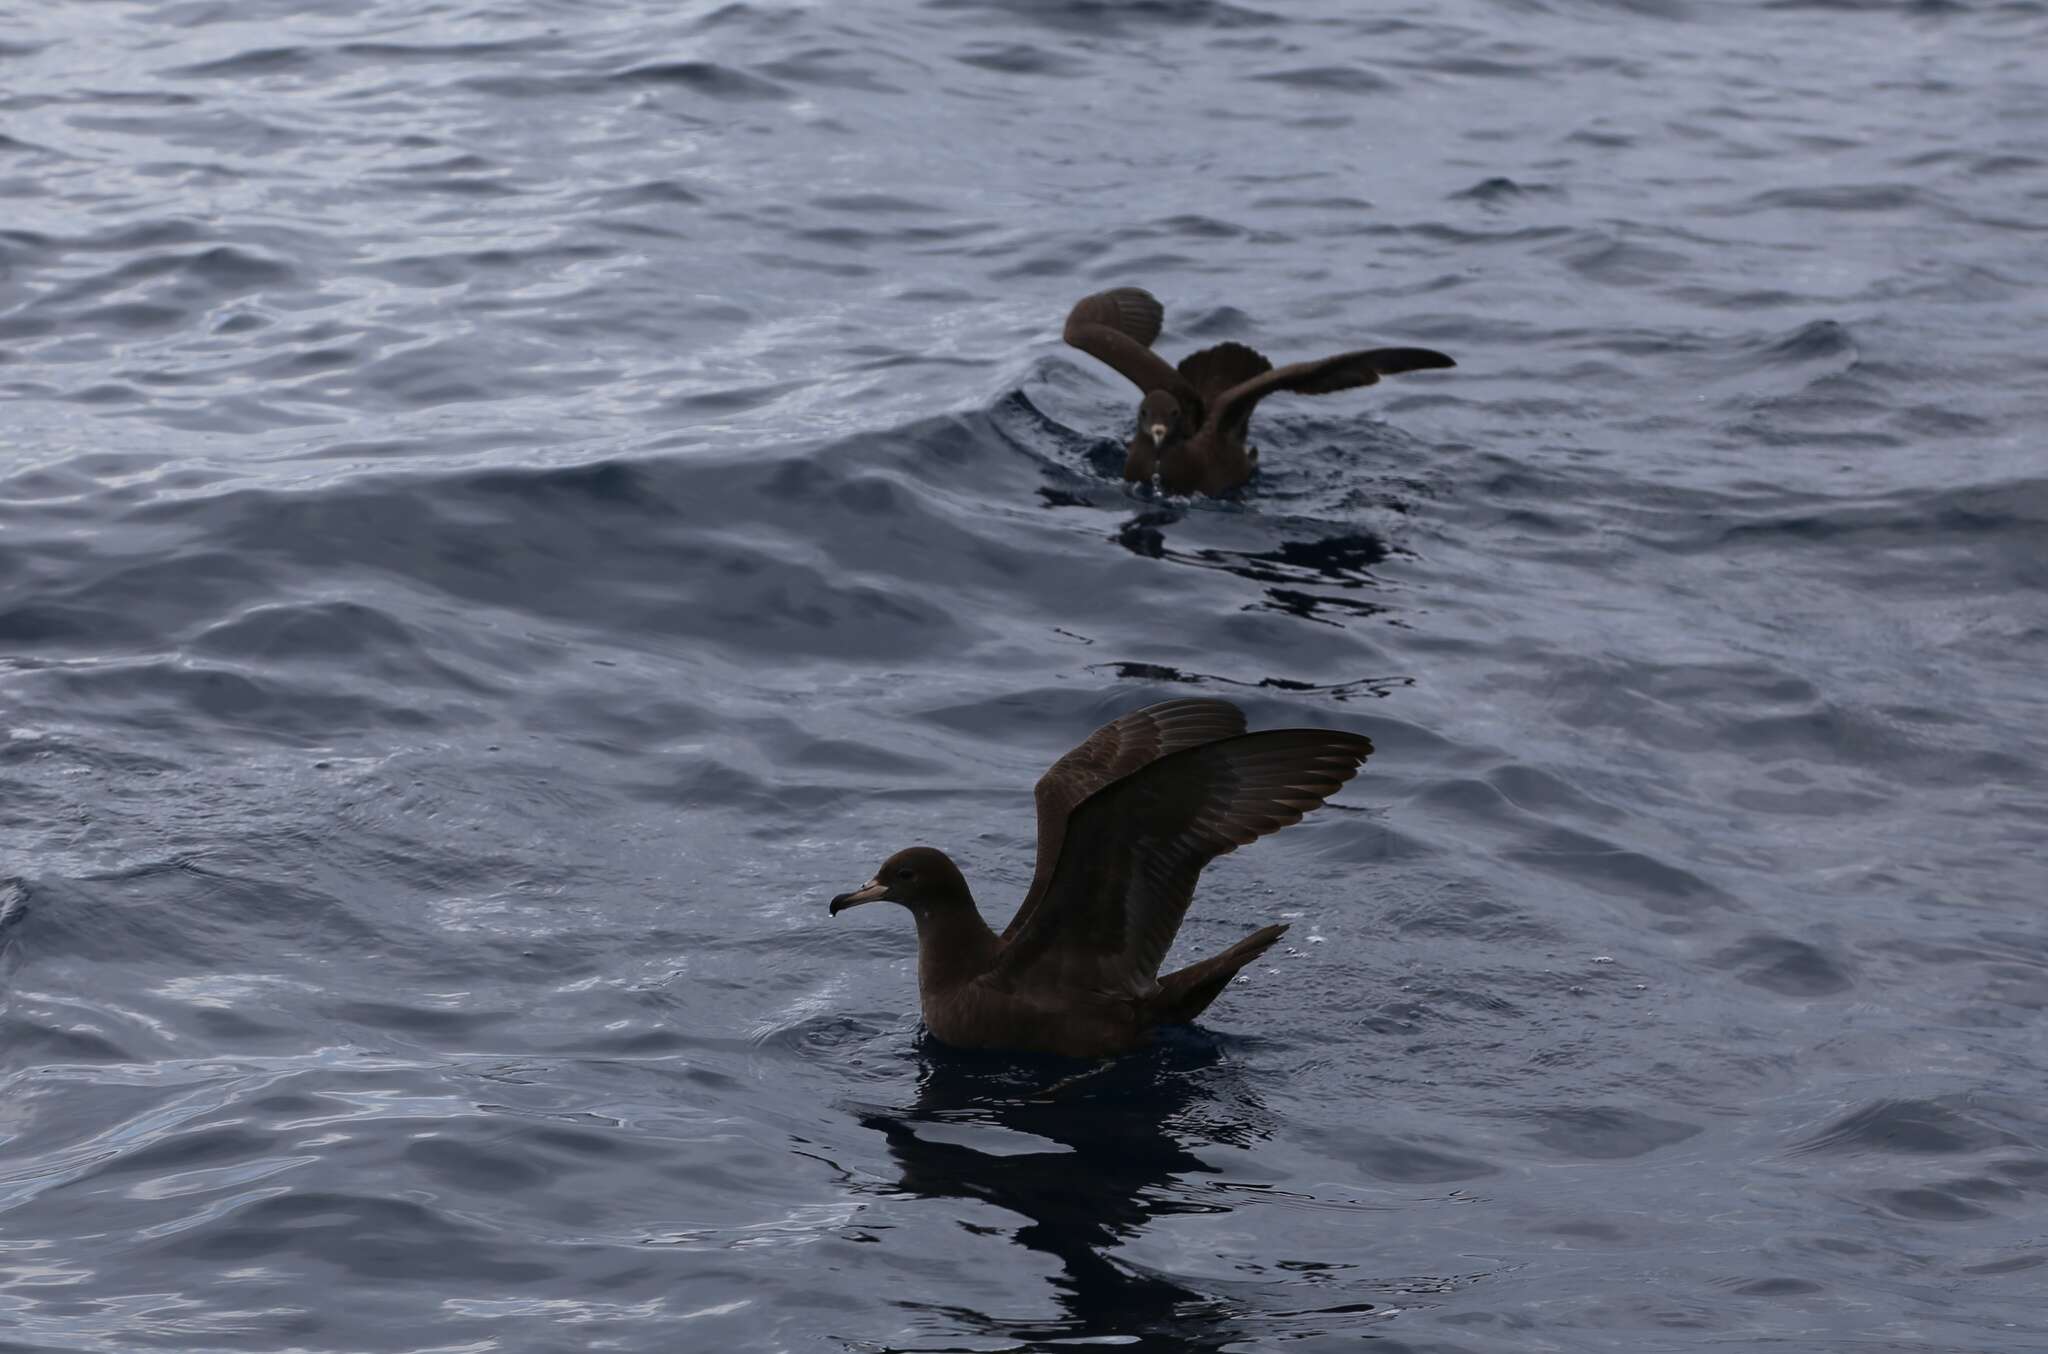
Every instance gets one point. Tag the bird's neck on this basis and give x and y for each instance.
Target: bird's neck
(954, 945)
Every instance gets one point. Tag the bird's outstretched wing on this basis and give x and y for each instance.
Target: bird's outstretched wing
(1114, 751)
(1117, 327)
(1345, 371)
(1133, 850)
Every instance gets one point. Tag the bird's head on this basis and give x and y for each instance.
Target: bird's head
(1161, 420)
(919, 877)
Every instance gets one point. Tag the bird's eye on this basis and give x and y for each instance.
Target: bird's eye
(905, 873)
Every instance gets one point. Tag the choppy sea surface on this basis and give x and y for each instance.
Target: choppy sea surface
(506, 507)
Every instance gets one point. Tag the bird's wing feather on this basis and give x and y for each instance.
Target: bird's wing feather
(1213, 371)
(1345, 371)
(1133, 850)
(1114, 751)
(1117, 327)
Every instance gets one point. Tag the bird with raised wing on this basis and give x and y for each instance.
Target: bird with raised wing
(1194, 418)
(1126, 821)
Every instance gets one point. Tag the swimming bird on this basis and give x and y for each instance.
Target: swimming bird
(1126, 821)
(1194, 418)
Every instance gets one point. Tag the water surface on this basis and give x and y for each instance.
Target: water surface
(507, 508)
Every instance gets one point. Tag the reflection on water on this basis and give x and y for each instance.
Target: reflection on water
(1160, 672)
(1114, 1144)
(1288, 570)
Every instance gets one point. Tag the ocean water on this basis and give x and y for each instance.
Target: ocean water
(506, 507)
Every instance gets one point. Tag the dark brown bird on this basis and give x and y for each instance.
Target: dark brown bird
(1126, 821)
(1194, 418)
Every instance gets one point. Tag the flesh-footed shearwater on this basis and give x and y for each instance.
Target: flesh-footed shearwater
(1193, 421)
(1126, 821)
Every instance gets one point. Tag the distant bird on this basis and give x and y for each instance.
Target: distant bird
(1126, 821)
(1192, 423)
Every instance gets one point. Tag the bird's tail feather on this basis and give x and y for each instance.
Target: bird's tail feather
(1186, 993)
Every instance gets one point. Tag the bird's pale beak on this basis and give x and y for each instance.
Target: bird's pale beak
(1157, 432)
(866, 893)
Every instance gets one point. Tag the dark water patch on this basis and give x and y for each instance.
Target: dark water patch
(2001, 165)
(437, 53)
(158, 232)
(1606, 867)
(708, 78)
(37, 1040)
(187, 911)
(256, 63)
(125, 600)
(1788, 967)
(175, 1154)
(1774, 1287)
(872, 204)
(502, 541)
(1985, 533)
(824, 267)
(2013, 1265)
(1201, 228)
(829, 68)
(408, 1022)
(1331, 80)
(1915, 1127)
(25, 327)
(733, 401)
(202, 129)
(1016, 58)
(135, 317)
(1745, 301)
(1608, 1132)
(892, 361)
(1444, 233)
(1334, 203)
(1950, 1202)
(1500, 191)
(1142, 264)
(1823, 734)
(366, 1236)
(1822, 340)
(854, 237)
(1847, 198)
(164, 697)
(655, 193)
(1481, 68)
(1620, 263)
(1106, 18)
(1930, 8)
(1462, 912)
(464, 177)
(41, 626)
(338, 633)
(1534, 788)
(316, 361)
(241, 323)
(479, 1165)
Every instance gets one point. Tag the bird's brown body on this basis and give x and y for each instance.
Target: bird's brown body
(1195, 417)
(1126, 821)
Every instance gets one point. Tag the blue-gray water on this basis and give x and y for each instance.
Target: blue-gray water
(507, 507)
